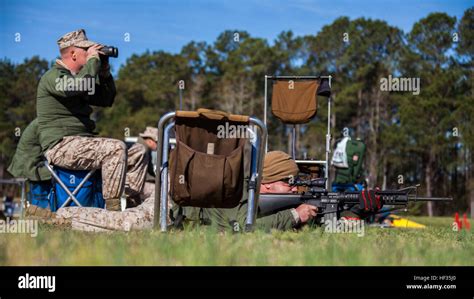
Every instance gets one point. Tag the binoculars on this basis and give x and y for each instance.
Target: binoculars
(109, 51)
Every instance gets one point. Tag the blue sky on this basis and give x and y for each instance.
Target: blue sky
(168, 25)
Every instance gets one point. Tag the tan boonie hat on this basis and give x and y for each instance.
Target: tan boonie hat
(150, 132)
(76, 38)
(278, 166)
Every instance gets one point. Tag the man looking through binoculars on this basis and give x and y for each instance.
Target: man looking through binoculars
(66, 131)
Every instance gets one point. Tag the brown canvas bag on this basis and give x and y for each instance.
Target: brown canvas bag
(294, 102)
(206, 171)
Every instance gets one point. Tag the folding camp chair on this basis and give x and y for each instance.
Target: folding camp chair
(294, 101)
(75, 191)
(201, 156)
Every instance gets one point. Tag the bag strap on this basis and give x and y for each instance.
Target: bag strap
(179, 220)
(202, 219)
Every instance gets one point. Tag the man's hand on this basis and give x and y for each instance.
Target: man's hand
(93, 51)
(306, 212)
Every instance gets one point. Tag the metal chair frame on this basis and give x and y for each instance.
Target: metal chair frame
(71, 195)
(293, 139)
(165, 125)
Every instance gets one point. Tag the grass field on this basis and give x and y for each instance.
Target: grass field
(435, 245)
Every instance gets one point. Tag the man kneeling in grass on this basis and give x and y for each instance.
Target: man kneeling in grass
(278, 168)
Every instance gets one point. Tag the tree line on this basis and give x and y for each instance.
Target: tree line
(425, 137)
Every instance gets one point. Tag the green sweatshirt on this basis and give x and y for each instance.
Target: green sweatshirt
(27, 156)
(234, 219)
(64, 101)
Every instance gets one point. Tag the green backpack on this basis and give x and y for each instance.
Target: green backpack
(355, 150)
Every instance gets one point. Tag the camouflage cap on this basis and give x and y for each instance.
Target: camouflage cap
(278, 166)
(150, 132)
(76, 38)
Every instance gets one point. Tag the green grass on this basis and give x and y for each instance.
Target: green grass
(435, 245)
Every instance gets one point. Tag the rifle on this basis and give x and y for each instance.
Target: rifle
(331, 204)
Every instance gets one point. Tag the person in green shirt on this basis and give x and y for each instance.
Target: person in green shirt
(66, 92)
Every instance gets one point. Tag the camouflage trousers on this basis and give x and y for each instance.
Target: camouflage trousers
(120, 167)
(100, 220)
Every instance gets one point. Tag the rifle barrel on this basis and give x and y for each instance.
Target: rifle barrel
(421, 198)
